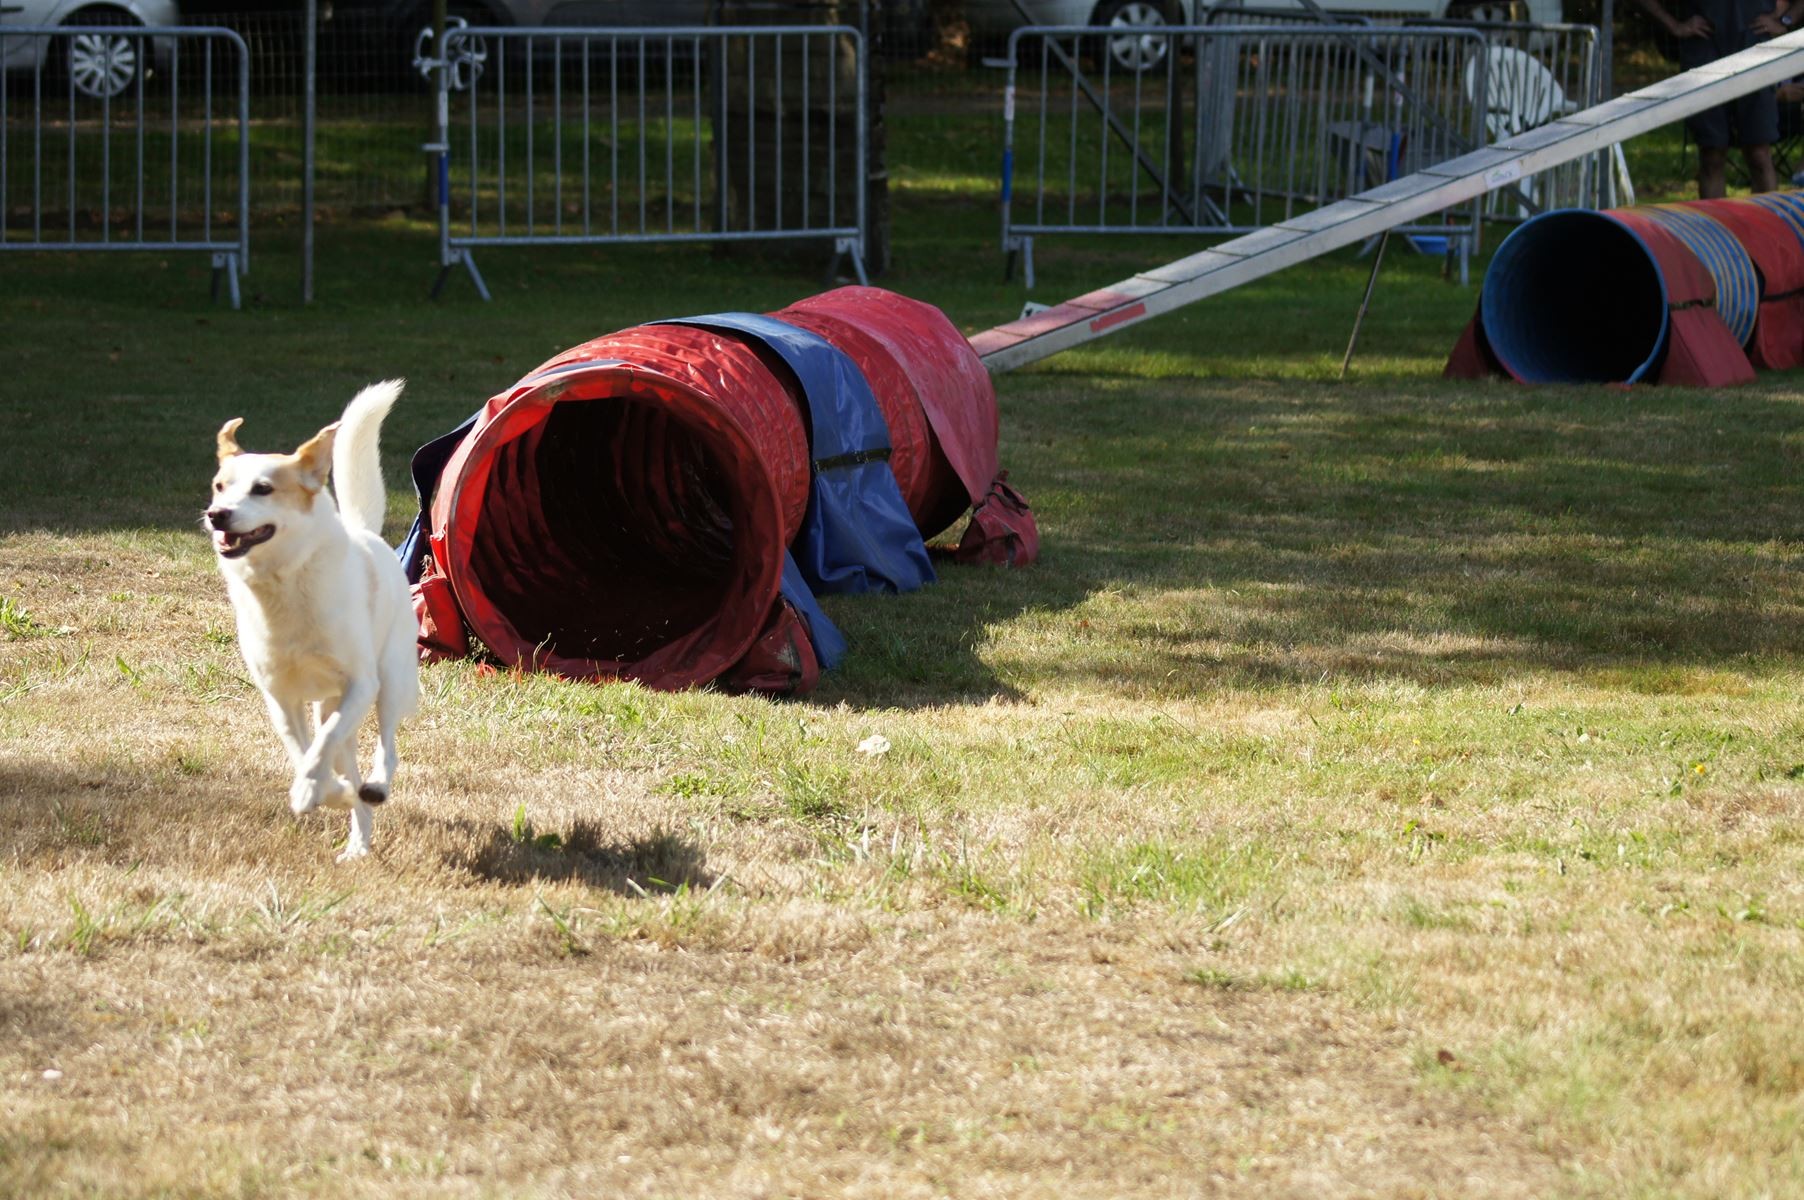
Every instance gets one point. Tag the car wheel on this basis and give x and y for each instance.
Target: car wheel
(103, 65)
(1136, 42)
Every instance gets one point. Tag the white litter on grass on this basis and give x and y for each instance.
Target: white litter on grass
(874, 745)
(53, 1075)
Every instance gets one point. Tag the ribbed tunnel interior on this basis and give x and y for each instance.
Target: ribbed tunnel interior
(1574, 297)
(609, 532)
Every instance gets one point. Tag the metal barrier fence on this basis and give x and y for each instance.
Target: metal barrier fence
(583, 136)
(1234, 129)
(123, 138)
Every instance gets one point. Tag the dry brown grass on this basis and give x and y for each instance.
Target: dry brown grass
(469, 1013)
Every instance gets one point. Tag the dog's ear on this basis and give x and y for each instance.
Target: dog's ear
(228, 439)
(315, 458)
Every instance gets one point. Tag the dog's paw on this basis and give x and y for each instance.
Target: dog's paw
(308, 793)
(305, 795)
(373, 793)
(340, 795)
(353, 852)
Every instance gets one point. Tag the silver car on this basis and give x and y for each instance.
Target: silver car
(1134, 20)
(1137, 22)
(94, 64)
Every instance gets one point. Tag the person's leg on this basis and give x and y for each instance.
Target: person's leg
(1757, 127)
(1710, 130)
(1712, 164)
(1762, 176)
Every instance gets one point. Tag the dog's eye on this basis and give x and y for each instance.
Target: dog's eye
(218, 486)
(262, 488)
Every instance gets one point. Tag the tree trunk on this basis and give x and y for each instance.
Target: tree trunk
(786, 134)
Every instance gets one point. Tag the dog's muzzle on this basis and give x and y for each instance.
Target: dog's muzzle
(230, 544)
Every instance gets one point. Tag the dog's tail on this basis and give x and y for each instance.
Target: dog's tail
(356, 458)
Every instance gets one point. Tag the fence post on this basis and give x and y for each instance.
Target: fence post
(310, 91)
(774, 148)
(438, 152)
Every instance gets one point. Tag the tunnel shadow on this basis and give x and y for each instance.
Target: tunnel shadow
(661, 862)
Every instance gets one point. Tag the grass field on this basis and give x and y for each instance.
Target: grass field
(1380, 788)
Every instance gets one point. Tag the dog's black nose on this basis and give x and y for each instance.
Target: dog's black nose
(219, 518)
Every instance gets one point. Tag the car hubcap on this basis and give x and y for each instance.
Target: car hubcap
(1143, 43)
(102, 64)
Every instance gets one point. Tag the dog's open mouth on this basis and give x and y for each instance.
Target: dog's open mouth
(237, 545)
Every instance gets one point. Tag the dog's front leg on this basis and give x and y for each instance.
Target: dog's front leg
(316, 779)
(292, 726)
(348, 780)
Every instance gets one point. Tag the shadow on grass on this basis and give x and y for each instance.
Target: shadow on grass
(51, 812)
(660, 862)
(1247, 534)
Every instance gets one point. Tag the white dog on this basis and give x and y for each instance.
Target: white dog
(324, 615)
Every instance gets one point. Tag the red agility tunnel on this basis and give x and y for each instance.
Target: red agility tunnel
(1698, 294)
(662, 504)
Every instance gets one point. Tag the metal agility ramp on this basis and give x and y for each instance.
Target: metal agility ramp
(1397, 203)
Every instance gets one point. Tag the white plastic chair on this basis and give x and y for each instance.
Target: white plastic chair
(1521, 93)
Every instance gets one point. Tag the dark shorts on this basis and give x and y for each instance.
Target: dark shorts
(1746, 121)
(1751, 120)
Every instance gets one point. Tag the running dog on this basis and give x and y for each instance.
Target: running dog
(325, 620)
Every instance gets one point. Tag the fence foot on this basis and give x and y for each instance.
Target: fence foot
(451, 261)
(1018, 249)
(226, 265)
(848, 248)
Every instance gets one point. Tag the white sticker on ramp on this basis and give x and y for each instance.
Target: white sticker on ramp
(1509, 172)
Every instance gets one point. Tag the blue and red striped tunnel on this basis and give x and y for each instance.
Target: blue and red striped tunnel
(1698, 293)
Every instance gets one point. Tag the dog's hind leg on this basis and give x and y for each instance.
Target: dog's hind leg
(389, 710)
(397, 699)
(357, 840)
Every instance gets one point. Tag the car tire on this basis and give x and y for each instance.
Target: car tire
(1134, 50)
(102, 66)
